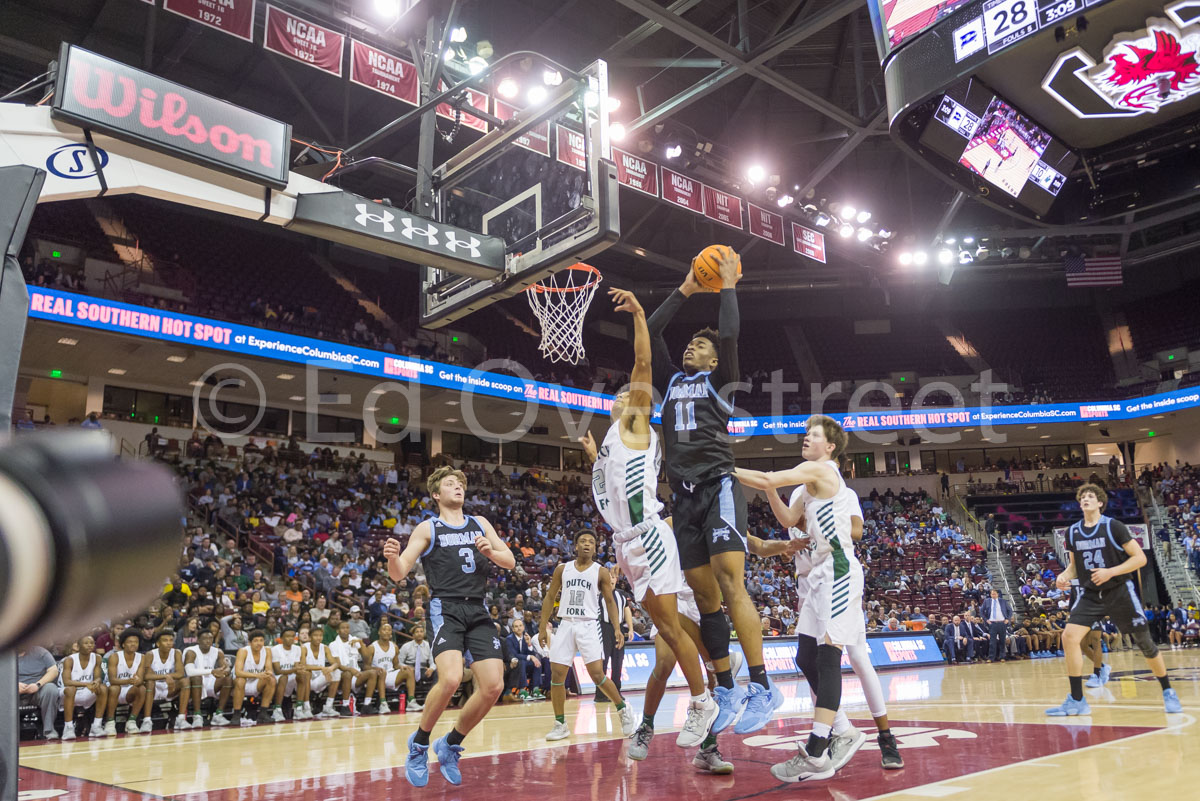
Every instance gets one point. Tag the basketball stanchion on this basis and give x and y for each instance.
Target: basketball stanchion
(560, 303)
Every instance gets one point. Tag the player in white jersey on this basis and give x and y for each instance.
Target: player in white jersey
(253, 675)
(290, 680)
(164, 681)
(208, 675)
(83, 687)
(581, 582)
(383, 656)
(322, 670)
(126, 679)
(846, 738)
(831, 617)
(625, 487)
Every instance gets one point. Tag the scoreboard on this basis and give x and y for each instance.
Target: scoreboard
(1060, 111)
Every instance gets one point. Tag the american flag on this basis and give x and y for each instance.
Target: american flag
(1092, 271)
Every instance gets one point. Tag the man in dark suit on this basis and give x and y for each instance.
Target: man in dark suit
(959, 642)
(524, 668)
(979, 633)
(998, 615)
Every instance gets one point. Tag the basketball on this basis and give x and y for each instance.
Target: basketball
(706, 268)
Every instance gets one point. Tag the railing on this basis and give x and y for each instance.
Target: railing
(1167, 554)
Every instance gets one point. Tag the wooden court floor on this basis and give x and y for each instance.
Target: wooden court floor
(975, 731)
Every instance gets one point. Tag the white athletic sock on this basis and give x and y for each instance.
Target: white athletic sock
(821, 729)
(703, 699)
(841, 723)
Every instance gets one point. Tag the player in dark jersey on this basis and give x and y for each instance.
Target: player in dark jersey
(452, 548)
(710, 509)
(1108, 554)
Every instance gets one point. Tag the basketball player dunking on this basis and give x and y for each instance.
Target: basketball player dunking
(710, 509)
(625, 487)
(830, 617)
(1107, 552)
(450, 547)
(583, 583)
(846, 739)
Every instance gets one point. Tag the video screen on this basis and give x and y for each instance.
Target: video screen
(989, 137)
(898, 20)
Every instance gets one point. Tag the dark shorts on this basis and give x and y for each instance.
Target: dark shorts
(709, 519)
(463, 626)
(1119, 602)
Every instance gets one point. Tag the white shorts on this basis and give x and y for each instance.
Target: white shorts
(290, 683)
(125, 688)
(577, 637)
(160, 691)
(391, 680)
(319, 682)
(651, 562)
(335, 677)
(84, 699)
(833, 607)
(252, 688)
(685, 606)
(208, 686)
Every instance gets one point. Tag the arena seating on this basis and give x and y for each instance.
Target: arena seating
(912, 345)
(1164, 322)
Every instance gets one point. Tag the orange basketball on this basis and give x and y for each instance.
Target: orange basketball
(705, 266)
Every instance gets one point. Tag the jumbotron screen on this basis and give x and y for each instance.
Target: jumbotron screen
(898, 20)
(985, 134)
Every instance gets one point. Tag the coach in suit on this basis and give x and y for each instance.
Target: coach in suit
(524, 666)
(959, 642)
(998, 615)
(979, 634)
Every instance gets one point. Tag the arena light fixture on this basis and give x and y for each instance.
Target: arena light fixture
(295, 397)
(885, 233)
(552, 77)
(920, 258)
(905, 259)
(847, 212)
(590, 98)
(451, 419)
(195, 383)
(116, 371)
(476, 64)
(864, 234)
(674, 151)
(67, 341)
(508, 88)
(458, 34)
(536, 95)
(968, 240)
(612, 103)
(756, 173)
(616, 131)
(390, 9)
(863, 216)
(448, 56)
(285, 376)
(785, 201)
(945, 256)
(965, 257)
(823, 220)
(950, 240)
(1044, 436)
(177, 359)
(847, 230)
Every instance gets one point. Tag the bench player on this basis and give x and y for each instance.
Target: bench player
(126, 680)
(846, 738)
(625, 487)
(254, 676)
(710, 509)
(452, 548)
(384, 656)
(582, 583)
(164, 681)
(1108, 553)
(831, 616)
(290, 680)
(321, 667)
(208, 677)
(83, 687)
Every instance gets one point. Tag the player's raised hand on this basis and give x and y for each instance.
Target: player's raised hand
(625, 301)
(691, 285)
(391, 548)
(589, 446)
(729, 265)
(1062, 582)
(484, 545)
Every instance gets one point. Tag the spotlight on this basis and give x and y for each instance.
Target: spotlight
(847, 230)
(771, 192)
(981, 252)
(387, 8)
(458, 34)
(552, 77)
(965, 257)
(920, 257)
(945, 256)
(756, 173)
(864, 234)
(536, 95)
(785, 201)
(847, 212)
(822, 220)
(885, 233)
(477, 64)
(508, 88)
(591, 98)
(905, 259)
(951, 240)
(612, 104)
(448, 56)
(483, 49)
(616, 131)
(968, 240)
(863, 216)
(674, 151)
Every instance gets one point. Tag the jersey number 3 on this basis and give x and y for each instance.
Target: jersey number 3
(468, 556)
(685, 416)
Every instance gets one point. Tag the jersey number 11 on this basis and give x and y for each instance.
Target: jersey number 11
(685, 416)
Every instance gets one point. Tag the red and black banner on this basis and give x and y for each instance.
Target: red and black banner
(537, 139)
(682, 191)
(808, 242)
(304, 41)
(234, 17)
(723, 207)
(385, 73)
(478, 100)
(766, 224)
(570, 148)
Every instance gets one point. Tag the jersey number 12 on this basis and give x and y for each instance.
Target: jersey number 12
(685, 416)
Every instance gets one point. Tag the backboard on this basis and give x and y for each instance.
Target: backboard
(550, 195)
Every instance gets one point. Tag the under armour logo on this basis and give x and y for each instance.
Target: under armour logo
(453, 243)
(721, 534)
(429, 231)
(384, 219)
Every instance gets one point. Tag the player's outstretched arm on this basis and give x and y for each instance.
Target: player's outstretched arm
(400, 563)
(811, 473)
(663, 368)
(638, 409)
(729, 323)
(494, 548)
(769, 548)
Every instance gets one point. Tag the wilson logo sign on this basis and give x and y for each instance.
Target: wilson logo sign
(101, 94)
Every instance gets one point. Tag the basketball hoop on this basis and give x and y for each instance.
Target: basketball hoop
(560, 302)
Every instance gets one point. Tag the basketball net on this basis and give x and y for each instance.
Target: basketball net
(560, 303)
